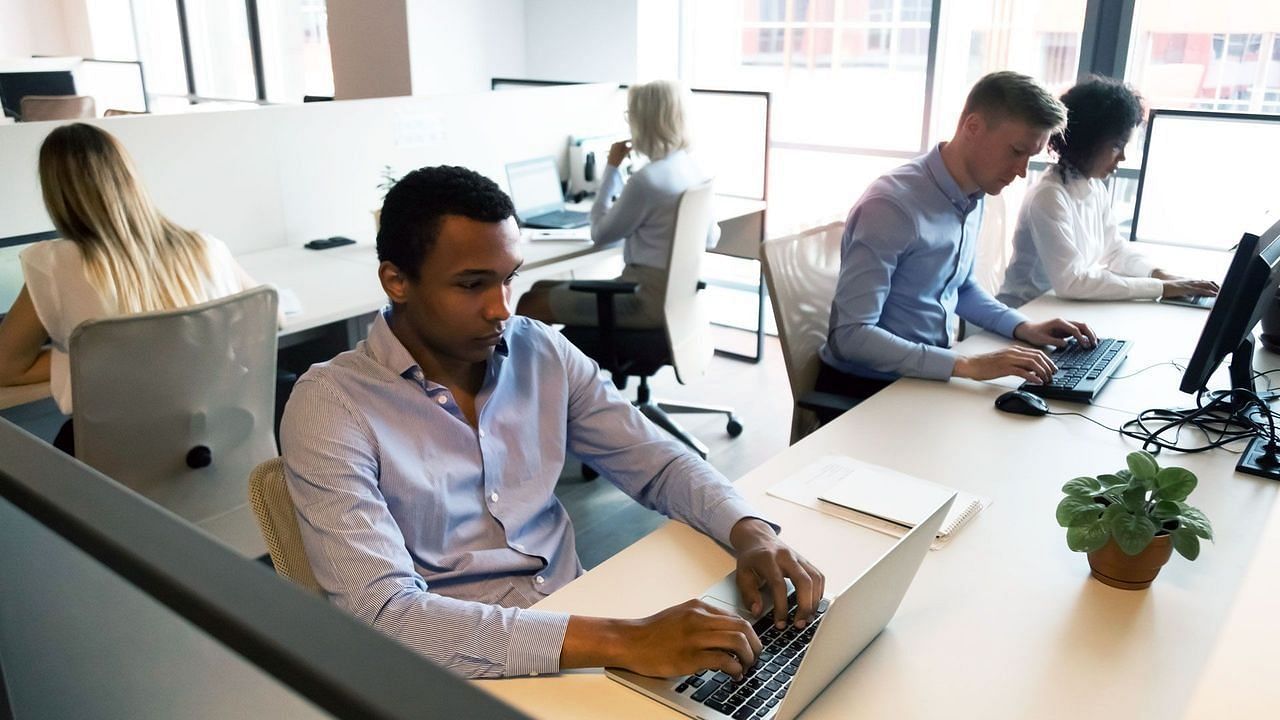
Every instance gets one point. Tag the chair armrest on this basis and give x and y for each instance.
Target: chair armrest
(605, 287)
(826, 402)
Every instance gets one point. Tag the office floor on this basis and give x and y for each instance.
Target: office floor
(606, 520)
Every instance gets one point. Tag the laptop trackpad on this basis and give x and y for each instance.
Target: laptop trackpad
(725, 595)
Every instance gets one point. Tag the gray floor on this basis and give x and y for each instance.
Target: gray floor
(606, 520)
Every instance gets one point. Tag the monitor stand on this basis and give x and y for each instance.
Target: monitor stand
(1262, 457)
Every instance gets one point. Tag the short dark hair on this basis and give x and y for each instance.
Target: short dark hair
(1005, 94)
(1100, 110)
(416, 205)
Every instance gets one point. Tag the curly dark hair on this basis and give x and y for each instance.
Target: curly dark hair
(1100, 110)
(416, 205)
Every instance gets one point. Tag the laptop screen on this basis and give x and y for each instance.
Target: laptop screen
(535, 187)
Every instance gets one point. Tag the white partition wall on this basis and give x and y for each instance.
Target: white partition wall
(276, 176)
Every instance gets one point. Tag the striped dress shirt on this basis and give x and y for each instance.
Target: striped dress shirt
(440, 534)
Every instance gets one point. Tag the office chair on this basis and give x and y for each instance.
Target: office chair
(178, 405)
(684, 342)
(278, 522)
(56, 107)
(801, 272)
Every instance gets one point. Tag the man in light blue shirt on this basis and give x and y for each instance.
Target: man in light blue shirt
(907, 257)
(423, 466)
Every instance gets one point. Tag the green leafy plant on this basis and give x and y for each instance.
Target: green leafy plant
(1132, 506)
(387, 179)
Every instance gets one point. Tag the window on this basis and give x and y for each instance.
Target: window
(1038, 37)
(1221, 55)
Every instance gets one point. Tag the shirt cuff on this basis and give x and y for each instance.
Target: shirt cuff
(728, 514)
(939, 363)
(536, 639)
(1008, 322)
(1147, 288)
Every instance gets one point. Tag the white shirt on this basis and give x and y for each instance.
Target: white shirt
(64, 297)
(1066, 240)
(645, 210)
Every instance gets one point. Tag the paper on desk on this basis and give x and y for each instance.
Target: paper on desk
(824, 477)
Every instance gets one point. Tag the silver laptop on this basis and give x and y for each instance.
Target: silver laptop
(1203, 302)
(796, 666)
(536, 194)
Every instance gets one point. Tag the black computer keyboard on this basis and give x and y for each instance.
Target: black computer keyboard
(764, 684)
(1082, 371)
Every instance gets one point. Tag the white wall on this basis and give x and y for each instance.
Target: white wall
(456, 47)
(32, 27)
(583, 40)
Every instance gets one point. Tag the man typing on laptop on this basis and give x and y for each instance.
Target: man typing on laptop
(423, 466)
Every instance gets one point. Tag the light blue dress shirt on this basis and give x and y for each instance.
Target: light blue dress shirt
(644, 209)
(438, 533)
(906, 270)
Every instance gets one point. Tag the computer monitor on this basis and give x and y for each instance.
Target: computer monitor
(112, 607)
(1248, 292)
(1199, 167)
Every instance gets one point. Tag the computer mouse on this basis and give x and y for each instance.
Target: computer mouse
(1022, 403)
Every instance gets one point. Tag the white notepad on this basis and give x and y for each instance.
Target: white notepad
(876, 497)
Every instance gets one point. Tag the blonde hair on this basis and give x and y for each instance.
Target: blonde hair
(656, 112)
(138, 259)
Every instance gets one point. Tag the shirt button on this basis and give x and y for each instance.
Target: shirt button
(482, 432)
(519, 547)
(494, 497)
(442, 399)
(533, 674)
(539, 579)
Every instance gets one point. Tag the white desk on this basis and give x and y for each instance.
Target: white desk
(1005, 621)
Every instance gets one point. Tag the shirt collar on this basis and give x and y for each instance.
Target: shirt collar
(387, 350)
(947, 184)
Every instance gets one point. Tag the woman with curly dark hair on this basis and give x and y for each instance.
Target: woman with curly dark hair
(1066, 238)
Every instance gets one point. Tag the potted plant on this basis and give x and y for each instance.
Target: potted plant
(1131, 521)
(386, 180)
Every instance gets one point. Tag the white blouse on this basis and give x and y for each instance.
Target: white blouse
(59, 286)
(1067, 240)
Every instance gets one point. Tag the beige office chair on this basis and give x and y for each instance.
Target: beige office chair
(278, 522)
(801, 271)
(178, 405)
(56, 107)
(685, 340)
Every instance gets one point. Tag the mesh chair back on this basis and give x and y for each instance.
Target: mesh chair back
(179, 405)
(801, 271)
(686, 316)
(273, 506)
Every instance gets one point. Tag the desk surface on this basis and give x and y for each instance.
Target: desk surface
(1003, 622)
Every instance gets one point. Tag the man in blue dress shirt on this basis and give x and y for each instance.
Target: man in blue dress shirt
(423, 466)
(907, 257)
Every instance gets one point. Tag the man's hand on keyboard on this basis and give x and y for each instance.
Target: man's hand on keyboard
(1030, 364)
(763, 557)
(1056, 332)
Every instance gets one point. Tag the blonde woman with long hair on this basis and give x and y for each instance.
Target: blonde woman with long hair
(641, 211)
(117, 256)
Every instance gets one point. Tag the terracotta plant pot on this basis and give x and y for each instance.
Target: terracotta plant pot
(1113, 567)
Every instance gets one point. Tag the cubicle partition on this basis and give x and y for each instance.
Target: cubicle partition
(114, 608)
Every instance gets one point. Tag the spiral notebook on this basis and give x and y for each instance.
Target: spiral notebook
(876, 497)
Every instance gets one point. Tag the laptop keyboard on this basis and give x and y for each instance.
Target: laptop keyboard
(561, 219)
(1082, 371)
(764, 684)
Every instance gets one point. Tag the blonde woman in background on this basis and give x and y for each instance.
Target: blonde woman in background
(118, 256)
(642, 211)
